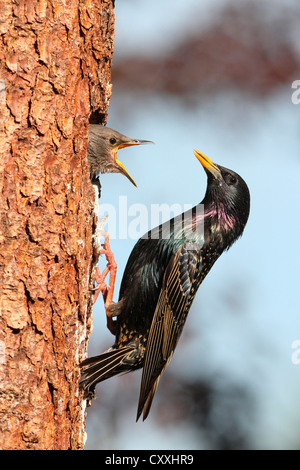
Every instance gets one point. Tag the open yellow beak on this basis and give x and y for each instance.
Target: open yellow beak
(207, 164)
(123, 169)
(129, 143)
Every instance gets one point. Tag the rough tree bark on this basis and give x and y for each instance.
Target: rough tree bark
(55, 64)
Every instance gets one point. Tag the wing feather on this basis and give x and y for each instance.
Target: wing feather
(169, 317)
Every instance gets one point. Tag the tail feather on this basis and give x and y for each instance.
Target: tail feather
(148, 389)
(102, 367)
(145, 400)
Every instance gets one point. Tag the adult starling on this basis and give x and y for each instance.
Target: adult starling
(102, 151)
(160, 281)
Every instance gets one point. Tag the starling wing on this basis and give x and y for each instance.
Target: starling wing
(175, 298)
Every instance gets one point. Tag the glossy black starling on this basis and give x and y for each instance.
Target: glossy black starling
(160, 281)
(102, 151)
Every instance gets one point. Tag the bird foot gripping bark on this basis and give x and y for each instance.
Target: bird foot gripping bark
(111, 268)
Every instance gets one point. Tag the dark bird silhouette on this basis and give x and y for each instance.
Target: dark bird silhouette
(160, 281)
(103, 145)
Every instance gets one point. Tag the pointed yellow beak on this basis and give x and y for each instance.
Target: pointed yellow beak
(207, 164)
(129, 143)
(123, 169)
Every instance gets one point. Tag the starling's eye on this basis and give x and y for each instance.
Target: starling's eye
(230, 179)
(112, 141)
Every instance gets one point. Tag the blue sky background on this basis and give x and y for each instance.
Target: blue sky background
(246, 314)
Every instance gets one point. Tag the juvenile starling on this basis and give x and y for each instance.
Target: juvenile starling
(102, 151)
(160, 281)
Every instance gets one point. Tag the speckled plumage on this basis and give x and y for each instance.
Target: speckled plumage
(160, 281)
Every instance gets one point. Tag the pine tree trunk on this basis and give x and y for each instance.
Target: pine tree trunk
(55, 64)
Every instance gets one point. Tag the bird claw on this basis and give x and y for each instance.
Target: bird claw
(111, 268)
(101, 285)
